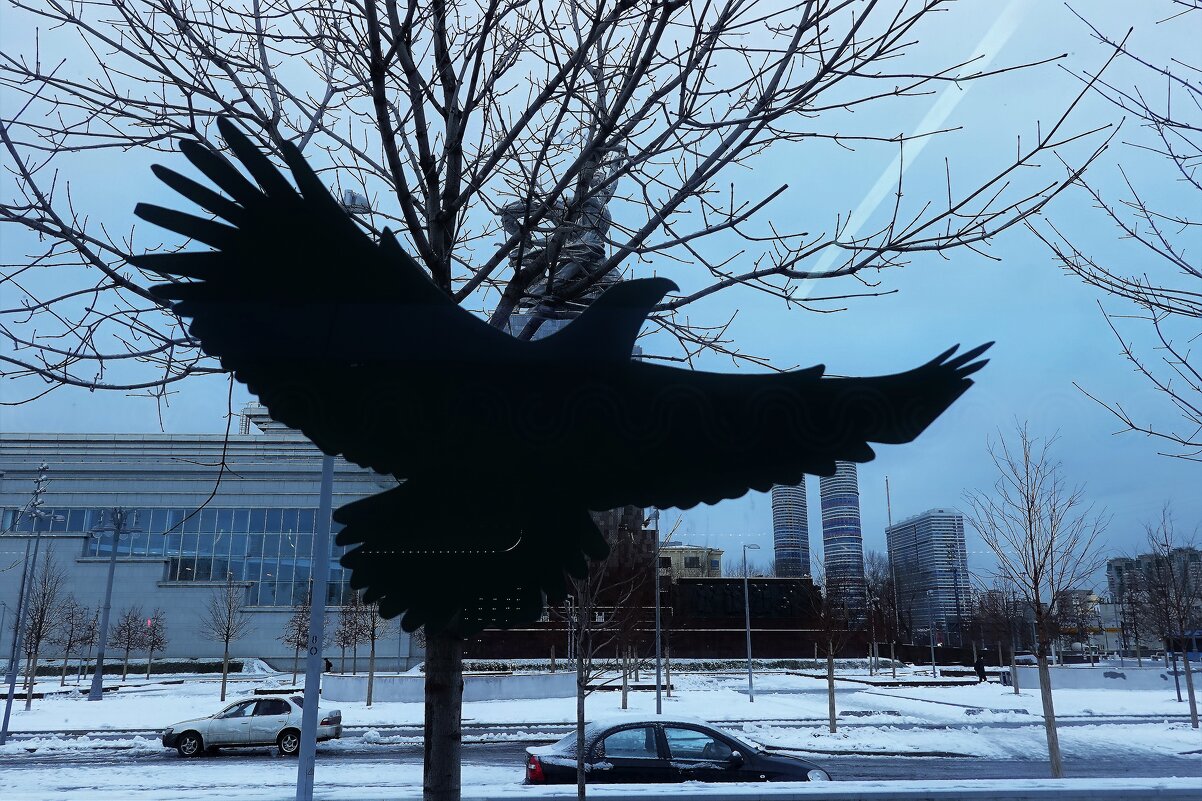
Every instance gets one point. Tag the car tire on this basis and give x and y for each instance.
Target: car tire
(190, 744)
(289, 742)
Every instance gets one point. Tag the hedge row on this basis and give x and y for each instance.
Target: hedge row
(113, 667)
(689, 665)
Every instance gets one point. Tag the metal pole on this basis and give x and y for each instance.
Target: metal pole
(317, 617)
(11, 678)
(747, 618)
(659, 701)
(931, 634)
(96, 692)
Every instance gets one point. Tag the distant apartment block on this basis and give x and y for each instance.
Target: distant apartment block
(927, 555)
(691, 561)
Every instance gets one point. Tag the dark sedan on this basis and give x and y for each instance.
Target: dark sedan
(663, 751)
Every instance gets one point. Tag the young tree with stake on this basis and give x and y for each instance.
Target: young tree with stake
(72, 634)
(224, 620)
(1045, 538)
(155, 636)
(128, 634)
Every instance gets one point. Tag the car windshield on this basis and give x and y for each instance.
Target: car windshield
(298, 700)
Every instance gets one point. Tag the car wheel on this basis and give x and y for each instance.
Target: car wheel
(289, 742)
(190, 745)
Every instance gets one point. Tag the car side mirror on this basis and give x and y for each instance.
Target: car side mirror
(735, 760)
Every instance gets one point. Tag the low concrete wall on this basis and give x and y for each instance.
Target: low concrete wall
(410, 688)
(1097, 678)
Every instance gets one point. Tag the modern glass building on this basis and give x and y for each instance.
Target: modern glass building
(930, 566)
(208, 509)
(791, 530)
(842, 540)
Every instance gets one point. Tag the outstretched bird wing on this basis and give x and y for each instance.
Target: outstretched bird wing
(316, 319)
(694, 437)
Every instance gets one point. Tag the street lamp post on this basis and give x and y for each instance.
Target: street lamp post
(931, 630)
(118, 519)
(747, 619)
(34, 510)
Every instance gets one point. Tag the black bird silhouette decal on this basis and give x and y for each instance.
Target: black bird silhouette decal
(502, 446)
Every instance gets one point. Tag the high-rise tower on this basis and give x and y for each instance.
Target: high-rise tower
(791, 530)
(842, 541)
(930, 566)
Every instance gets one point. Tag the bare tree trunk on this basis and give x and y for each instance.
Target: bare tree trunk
(443, 723)
(1189, 689)
(893, 657)
(830, 684)
(295, 662)
(355, 659)
(149, 661)
(1049, 715)
(625, 675)
(33, 678)
(668, 670)
(371, 671)
(581, 688)
(342, 659)
(125, 666)
(225, 667)
(62, 682)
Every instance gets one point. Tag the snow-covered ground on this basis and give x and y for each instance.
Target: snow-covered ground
(981, 721)
(387, 778)
(714, 697)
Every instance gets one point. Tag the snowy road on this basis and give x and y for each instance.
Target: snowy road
(512, 755)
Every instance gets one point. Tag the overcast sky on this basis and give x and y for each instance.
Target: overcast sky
(1048, 327)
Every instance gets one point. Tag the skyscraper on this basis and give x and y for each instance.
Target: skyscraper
(842, 542)
(791, 530)
(927, 553)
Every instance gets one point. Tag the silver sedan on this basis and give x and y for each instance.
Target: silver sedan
(250, 722)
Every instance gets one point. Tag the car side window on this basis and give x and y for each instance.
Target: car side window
(242, 710)
(694, 744)
(272, 706)
(637, 743)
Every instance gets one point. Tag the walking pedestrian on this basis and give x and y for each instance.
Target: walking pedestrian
(980, 668)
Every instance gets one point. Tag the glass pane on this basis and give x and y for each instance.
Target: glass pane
(75, 520)
(693, 744)
(256, 521)
(632, 743)
(158, 521)
(205, 543)
(173, 570)
(241, 520)
(274, 520)
(187, 568)
(204, 569)
(192, 522)
(290, 520)
(221, 569)
(208, 519)
(190, 543)
(304, 520)
(225, 519)
(175, 518)
(271, 544)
